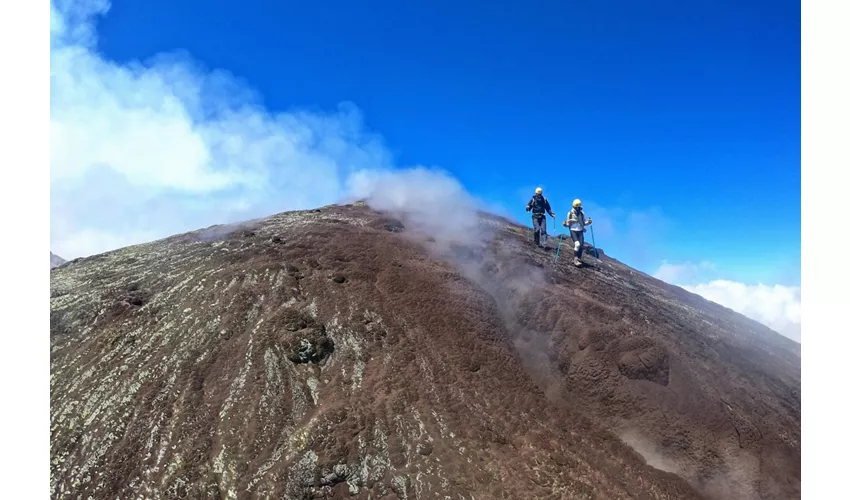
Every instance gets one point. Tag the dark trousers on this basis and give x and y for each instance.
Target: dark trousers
(579, 237)
(539, 222)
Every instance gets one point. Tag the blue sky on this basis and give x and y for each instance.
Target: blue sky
(678, 123)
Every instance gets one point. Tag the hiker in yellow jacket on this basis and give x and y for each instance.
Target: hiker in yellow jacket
(577, 222)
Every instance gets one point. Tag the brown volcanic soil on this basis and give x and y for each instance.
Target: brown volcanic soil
(331, 353)
(696, 388)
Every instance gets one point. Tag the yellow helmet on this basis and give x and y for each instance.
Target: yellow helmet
(539, 190)
(576, 203)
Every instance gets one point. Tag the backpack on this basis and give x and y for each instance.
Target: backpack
(538, 205)
(579, 219)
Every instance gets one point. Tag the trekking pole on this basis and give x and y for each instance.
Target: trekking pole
(593, 240)
(555, 227)
(554, 230)
(558, 252)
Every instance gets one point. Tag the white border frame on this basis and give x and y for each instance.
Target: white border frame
(25, 208)
(24, 195)
(825, 135)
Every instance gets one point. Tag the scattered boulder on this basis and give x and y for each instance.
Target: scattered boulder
(294, 321)
(135, 296)
(339, 474)
(308, 350)
(394, 226)
(401, 485)
(388, 224)
(136, 299)
(309, 343)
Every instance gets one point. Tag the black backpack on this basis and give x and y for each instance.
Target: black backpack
(538, 204)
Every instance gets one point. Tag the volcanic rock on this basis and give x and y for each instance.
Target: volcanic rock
(225, 363)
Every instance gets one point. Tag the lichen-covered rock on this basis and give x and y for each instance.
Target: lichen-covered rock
(233, 362)
(313, 348)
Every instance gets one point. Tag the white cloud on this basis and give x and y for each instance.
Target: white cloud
(682, 273)
(433, 200)
(147, 149)
(776, 306)
(79, 242)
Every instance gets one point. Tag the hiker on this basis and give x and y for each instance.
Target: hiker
(539, 207)
(576, 222)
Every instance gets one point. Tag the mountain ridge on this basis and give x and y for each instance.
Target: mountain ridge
(55, 260)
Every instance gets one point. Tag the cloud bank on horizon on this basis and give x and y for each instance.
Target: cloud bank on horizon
(777, 306)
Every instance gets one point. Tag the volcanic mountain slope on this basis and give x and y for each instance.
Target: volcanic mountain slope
(336, 352)
(696, 388)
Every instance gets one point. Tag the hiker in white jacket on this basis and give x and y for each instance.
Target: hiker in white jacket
(577, 222)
